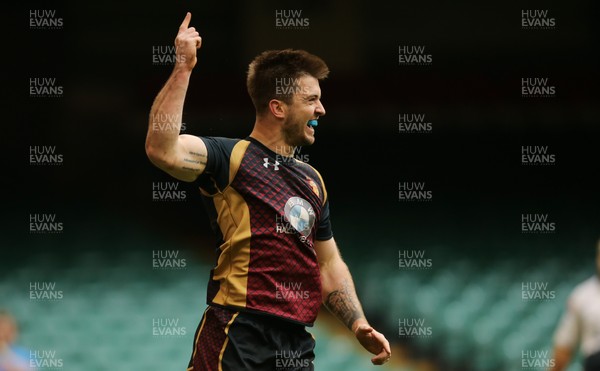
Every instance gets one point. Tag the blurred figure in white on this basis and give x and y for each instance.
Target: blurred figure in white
(12, 358)
(580, 325)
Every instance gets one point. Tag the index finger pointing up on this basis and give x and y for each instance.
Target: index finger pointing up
(186, 21)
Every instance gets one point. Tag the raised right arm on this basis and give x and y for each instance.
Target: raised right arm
(182, 156)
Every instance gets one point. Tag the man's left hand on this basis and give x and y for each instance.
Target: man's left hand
(375, 343)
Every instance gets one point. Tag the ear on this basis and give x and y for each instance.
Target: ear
(278, 108)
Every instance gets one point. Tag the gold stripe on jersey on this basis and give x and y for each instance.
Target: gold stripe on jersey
(322, 184)
(235, 160)
(234, 221)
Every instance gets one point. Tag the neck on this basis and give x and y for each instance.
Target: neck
(270, 135)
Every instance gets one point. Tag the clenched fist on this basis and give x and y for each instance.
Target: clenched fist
(188, 40)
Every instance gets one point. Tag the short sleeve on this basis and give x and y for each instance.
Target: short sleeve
(216, 174)
(324, 230)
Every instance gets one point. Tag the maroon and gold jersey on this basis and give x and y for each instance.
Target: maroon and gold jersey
(267, 211)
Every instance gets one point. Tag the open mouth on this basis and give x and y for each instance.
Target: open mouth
(312, 123)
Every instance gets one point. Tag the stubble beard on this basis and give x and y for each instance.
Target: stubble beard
(293, 133)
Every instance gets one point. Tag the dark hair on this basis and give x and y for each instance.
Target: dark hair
(271, 65)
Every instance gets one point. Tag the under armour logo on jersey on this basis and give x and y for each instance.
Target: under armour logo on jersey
(267, 163)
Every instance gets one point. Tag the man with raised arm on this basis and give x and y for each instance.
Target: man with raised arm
(277, 259)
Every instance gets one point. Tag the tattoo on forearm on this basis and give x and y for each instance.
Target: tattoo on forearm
(343, 303)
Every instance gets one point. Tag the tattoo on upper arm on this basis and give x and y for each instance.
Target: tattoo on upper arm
(197, 154)
(194, 163)
(343, 303)
(193, 169)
